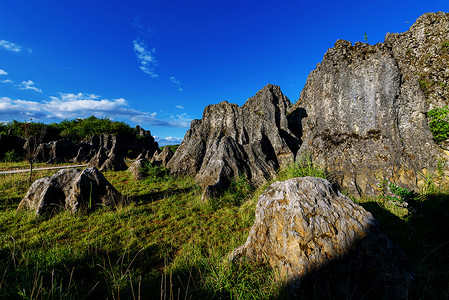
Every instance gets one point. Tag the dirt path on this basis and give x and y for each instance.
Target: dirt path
(41, 169)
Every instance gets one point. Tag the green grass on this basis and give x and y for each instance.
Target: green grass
(168, 244)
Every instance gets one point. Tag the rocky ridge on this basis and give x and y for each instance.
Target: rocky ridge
(229, 141)
(365, 107)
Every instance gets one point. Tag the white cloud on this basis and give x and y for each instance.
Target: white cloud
(179, 106)
(28, 85)
(169, 140)
(177, 83)
(145, 57)
(6, 81)
(81, 105)
(10, 46)
(3, 72)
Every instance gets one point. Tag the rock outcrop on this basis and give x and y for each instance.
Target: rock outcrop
(99, 159)
(114, 163)
(70, 189)
(323, 244)
(253, 140)
(162, 158)
(363, 109)
(59, 151)
(136, 168)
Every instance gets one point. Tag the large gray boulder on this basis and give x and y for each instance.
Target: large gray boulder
(70, 189)
(363, 109)
(253, 140)
(323, 244)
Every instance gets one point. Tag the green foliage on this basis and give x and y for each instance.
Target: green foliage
(76, 129)
(302, 168)
(238, 192)
(11, 156)
(403, 193)
(247, 279)
(80, 129)
(444, 46)
(439, 123)
(155, 173)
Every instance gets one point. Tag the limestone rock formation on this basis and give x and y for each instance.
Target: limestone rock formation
(363, 109)
(323, 244)
(252, 140)
(60, 151)
(71, 189)
(114, 163)
(162, 158)
(99, 159)
(136, 168)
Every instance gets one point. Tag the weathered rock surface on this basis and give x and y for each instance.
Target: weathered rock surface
(99, 159)
(136, 168)
(162, 158)
(61, 151)
(114, 163)
(363, 109)
(126, 146)
(252, 140)
(71, 189)
(323, 244)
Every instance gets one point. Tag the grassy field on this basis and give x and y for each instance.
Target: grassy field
(167, 244)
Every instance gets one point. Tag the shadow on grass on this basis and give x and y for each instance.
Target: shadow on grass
(424, 237)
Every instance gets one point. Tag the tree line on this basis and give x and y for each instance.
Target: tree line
(76, 129)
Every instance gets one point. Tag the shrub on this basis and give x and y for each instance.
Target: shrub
(11, 156)
(155, 173)
(439, 123)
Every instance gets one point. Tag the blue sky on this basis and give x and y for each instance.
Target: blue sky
(160, 63)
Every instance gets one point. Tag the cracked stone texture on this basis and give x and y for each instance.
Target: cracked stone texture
(319, 239)
(136, 168)
(71, 189)
(162, 158)
(253, 140)
(363, 109)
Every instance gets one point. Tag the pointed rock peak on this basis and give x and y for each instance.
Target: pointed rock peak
(269, 94)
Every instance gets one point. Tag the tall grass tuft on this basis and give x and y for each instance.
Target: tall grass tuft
(302, 168)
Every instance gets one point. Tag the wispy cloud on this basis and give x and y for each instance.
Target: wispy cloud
(6, 81)
(177, 83)
(28, 85)
(145, 57)
(82, 105)
(169, 140)
(179, 106)
(3, 72)
(10, 46)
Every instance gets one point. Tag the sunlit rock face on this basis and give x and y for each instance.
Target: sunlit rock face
(70, 189)
(363, 109)
(253, 140)
(323, 244)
